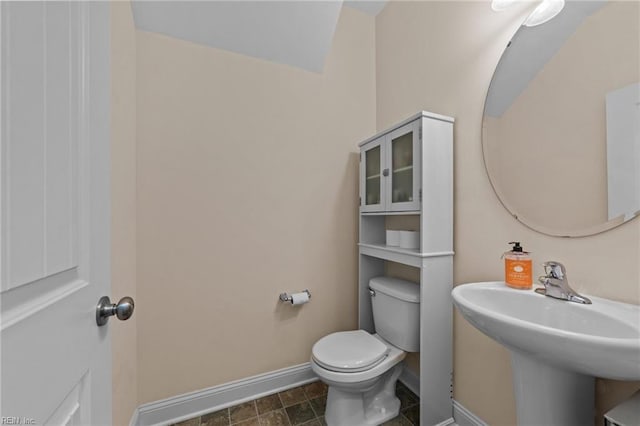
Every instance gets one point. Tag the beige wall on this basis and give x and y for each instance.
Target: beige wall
(247, 187)
(551, 128)
(440, 56)
(235, 203)
(123, 204)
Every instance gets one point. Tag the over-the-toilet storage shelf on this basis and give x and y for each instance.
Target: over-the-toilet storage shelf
(408, 170)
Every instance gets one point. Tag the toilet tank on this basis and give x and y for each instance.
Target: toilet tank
(396, 311)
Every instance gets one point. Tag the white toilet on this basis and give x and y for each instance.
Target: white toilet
(361, 369)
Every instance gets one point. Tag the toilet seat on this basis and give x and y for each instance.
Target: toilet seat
(394, 356)
(349, 351)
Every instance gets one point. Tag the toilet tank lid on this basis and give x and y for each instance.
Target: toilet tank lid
(397, 288)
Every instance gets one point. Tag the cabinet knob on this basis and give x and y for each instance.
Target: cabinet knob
(385, 172)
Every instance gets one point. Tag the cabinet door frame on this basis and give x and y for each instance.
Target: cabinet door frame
(382, 205)
(415, 203)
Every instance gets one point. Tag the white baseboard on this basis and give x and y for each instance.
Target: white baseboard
(464, 417)
(461, 416)
(194, 404)
(410, 380)
(134, 418)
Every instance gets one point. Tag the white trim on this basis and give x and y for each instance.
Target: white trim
(409, 120)
(194, 404)
(461, 416)
(448, 422)
(410, 380)
(135, 418)
(13, 315)
(465, 417)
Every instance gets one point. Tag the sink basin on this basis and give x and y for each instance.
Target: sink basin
(557, 347)
(601, 339)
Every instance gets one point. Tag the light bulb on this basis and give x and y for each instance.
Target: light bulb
(500, 5)
(544, 12)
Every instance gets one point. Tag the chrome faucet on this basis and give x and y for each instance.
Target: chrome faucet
(557, 285)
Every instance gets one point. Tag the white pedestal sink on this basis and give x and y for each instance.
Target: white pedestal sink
(557, 347)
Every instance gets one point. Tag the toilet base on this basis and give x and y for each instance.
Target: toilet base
(373, 407)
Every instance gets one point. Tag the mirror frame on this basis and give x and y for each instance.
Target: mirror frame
(549, 231)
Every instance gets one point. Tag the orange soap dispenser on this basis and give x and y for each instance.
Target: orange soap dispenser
(518, 271)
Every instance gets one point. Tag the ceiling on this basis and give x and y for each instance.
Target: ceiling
(296, 33)
(370, 7)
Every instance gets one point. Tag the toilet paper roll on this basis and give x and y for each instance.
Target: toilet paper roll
(409, 239)
(299, 298)
(393, 238)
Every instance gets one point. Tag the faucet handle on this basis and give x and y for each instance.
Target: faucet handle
(554, 269)
(557, 285)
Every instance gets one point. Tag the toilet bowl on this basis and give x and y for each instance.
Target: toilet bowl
(361, 371)
(360, 368)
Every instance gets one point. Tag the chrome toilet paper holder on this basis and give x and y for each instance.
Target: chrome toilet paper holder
(285, 297)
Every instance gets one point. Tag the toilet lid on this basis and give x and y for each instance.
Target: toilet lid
(349, 351)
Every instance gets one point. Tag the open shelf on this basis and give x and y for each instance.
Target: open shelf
(412, 213)
(411, 257)
(424, 189)
(394, 254)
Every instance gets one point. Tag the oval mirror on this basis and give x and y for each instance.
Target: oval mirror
(561, 126)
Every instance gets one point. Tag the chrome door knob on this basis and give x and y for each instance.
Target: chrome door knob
(105, 309)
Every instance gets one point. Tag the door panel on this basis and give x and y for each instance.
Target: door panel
(72, 411)
(402, 168)
(55, 213)
(403, 183)
(40, 120)
(22, 124)
(373, 181)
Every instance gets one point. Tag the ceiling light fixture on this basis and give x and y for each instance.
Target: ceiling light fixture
(544, 12)
(500, 5)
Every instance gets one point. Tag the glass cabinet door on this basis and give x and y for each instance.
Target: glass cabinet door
(402, 168)
(372, 177)
(390, 171)
(404, 164)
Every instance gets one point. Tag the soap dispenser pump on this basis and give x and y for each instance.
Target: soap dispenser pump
(518, 271)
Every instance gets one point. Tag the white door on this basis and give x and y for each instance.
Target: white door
(55, 213)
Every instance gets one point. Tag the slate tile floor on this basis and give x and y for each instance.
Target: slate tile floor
(303, 405)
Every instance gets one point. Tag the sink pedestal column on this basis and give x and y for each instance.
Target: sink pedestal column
(551, 396)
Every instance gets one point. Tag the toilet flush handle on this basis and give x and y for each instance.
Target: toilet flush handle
(372, 293)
